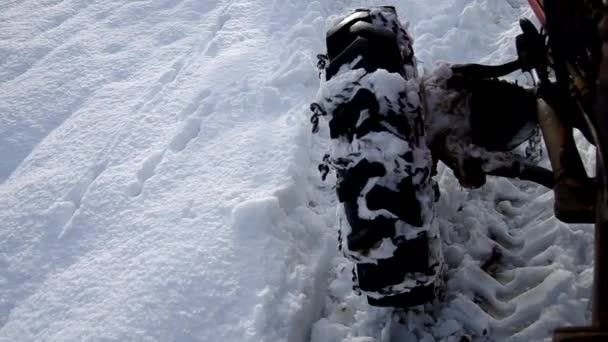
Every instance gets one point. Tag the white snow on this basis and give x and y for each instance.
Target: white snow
(158, 182)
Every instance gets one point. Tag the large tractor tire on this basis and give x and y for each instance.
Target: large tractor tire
(370, 97)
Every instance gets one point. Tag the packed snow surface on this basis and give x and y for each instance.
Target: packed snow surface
(158, 182)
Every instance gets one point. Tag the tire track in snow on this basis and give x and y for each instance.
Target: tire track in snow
(529, 277)
(499, 281)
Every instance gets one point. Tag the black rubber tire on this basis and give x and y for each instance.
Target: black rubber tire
(373, 39)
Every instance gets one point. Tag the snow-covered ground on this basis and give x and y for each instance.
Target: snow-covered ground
(158, 182)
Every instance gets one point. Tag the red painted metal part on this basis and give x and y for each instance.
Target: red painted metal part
(539, 10)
